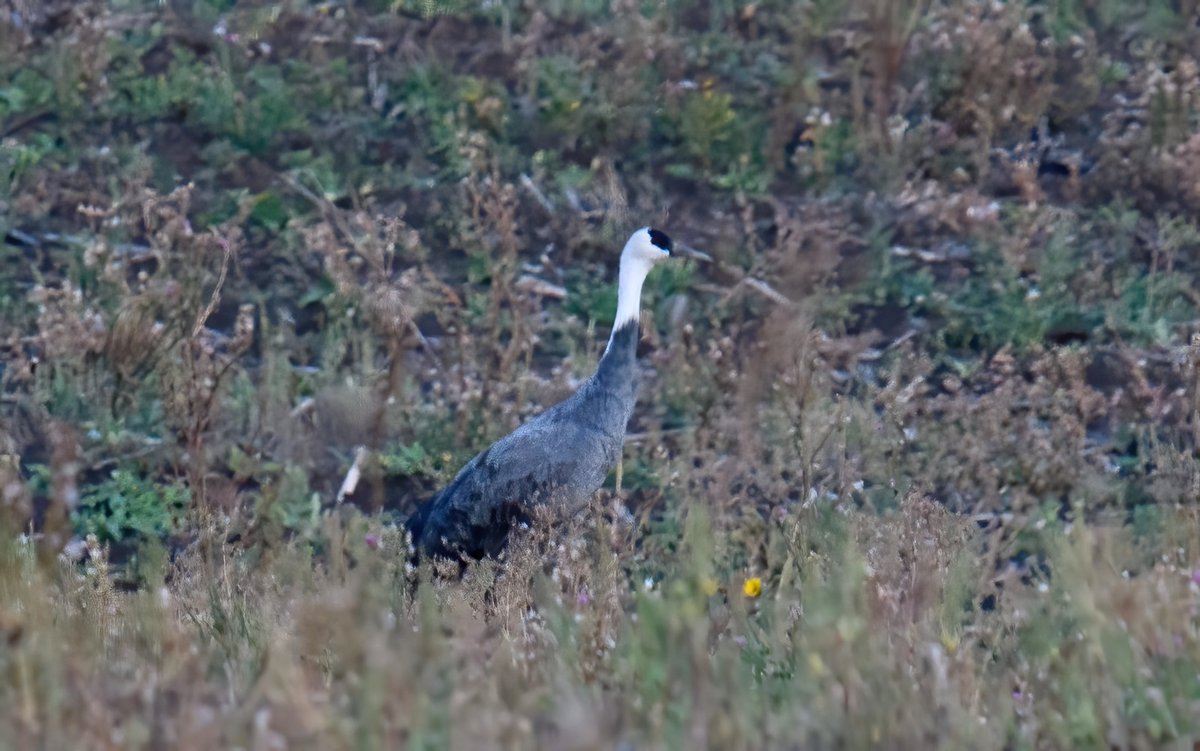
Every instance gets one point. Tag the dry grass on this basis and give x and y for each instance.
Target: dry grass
(871, 635)
(938, 394)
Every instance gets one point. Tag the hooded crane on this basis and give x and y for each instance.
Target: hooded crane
(560, 457)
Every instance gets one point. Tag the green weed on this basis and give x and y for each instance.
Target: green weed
(127, 506)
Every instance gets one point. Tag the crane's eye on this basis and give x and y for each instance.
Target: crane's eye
(660, 240)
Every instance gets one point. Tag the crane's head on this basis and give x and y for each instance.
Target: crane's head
(645, 248)
(647, 245)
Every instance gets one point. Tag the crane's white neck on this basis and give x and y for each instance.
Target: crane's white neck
(629, 290)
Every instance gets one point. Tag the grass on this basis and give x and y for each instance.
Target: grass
(915, 460)
(863, 617)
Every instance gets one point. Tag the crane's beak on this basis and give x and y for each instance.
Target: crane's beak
(683, 250)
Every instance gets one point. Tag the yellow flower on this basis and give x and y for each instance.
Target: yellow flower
(816, 665)
(710, 586)
(949, 643)
(752, 587)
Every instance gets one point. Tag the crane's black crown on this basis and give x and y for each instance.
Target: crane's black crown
(659, 239)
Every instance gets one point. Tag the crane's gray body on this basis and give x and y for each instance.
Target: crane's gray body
(559, 458)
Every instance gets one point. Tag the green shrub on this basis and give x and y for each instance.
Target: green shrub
(127, 505)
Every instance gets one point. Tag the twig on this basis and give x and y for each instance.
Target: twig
(215, 298)
(529, 185)
(353, 475)
(426, 345)
(306, 405)
(530, 283)
(639, 437)
(767, 290)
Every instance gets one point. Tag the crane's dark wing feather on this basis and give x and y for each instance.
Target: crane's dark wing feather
(546, 460)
